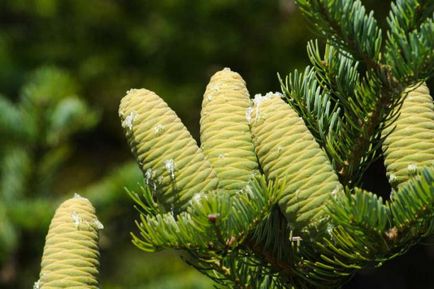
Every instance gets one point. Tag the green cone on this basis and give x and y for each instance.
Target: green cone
(172, 163)
(70, 258)
(287, 151)
(224, 131)
(410, 144)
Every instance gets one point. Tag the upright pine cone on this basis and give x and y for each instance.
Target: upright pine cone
(172, 163)
(70, 258)
(224, 130)
(287, 151)
(410, 143)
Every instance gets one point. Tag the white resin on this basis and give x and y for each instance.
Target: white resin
(170, 167)
(159, 129)
(129, 120)
(76, 220)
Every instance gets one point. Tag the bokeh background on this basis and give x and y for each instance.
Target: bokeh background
(65, 64)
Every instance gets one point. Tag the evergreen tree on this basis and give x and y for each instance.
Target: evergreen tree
(303, 221)
(294, 215)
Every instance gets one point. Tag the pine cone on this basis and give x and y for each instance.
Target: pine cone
(224, 130)
(172, 163)
(287, 151)
(70, 258)
(410, 144)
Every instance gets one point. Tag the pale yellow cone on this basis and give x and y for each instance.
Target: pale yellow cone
(287, 151)
(224, 130)
(71, 254)
(171, 161)
(410, 143)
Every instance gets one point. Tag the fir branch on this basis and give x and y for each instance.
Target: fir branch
(365, 101)
(411, 55)
(363, 214)
(344, 110)
(216, 230)
(407, 15)
(306, 97)
(337, 71)
(271, 243)
(212, 265)
(355, 237)
(214, 221)
(280, 266)
(347, 25)
(346, 99)
(368, 141)
(338, 76)
(412, 209)
(366, 109)
(235, 269)
(365, 232)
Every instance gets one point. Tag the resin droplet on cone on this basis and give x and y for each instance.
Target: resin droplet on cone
(172, 163)
(224, 130)
(287, 151)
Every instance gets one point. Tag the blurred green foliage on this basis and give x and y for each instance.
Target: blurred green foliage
(36, 142)
(91, 52)
(171, 46)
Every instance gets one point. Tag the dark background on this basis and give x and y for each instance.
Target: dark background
(171, 47)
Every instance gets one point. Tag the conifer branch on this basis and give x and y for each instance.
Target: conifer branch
(348, 26)
(366, 145)
(407, 15)
(412, 209)
(244, 239)
(410, 55)
(378, 88)
(280, 266)
(363, 231)
(217, 221)
(271, 243)
(344, 109)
